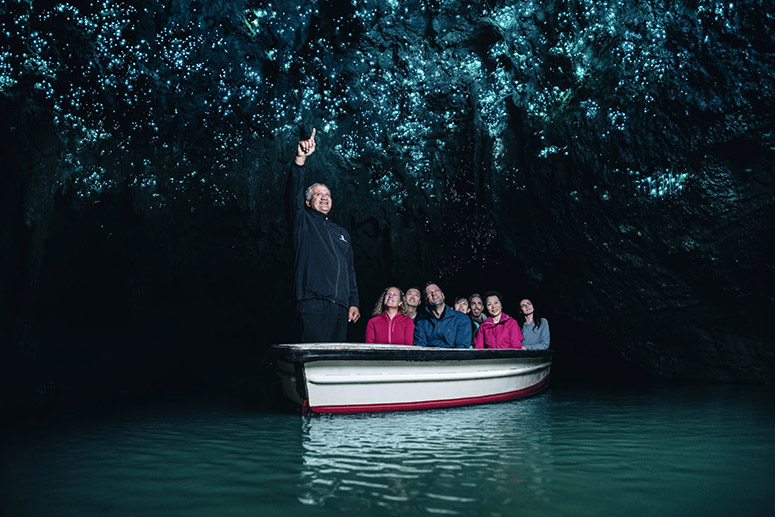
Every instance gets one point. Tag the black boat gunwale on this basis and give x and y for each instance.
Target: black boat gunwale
(299, 353)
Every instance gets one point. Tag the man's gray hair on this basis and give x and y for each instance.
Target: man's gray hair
(308, 192)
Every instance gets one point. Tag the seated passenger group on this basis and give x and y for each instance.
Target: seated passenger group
(398, 319)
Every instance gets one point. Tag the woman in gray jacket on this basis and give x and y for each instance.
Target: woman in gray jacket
(535, 329)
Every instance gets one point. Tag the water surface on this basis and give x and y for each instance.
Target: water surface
(573, 450)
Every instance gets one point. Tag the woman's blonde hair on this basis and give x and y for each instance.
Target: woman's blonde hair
(379, 307)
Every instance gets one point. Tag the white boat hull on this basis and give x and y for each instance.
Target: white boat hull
(352, 378)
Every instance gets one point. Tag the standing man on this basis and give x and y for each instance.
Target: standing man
(324, 275)
(439, 325)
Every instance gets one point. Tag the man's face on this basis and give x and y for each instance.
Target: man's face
(413, 297)
(476, 306)
(434, 296)
(321, 199)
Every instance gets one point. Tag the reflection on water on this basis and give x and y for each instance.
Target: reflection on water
(449, 461)
(573, 450)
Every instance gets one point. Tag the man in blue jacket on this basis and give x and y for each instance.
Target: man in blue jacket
(439, 325)
(324, 274)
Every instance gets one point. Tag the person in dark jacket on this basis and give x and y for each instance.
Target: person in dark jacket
(439, 325)
(413, 299)
(324, 274)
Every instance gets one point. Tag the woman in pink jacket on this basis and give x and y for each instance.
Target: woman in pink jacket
(389, 325)
(499, 330)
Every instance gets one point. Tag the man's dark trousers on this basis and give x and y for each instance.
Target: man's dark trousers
(322, 321)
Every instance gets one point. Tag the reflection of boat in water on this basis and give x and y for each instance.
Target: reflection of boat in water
(354, 378)
(477, 460)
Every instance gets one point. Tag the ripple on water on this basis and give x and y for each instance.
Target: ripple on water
(573, 452)
(424, 458)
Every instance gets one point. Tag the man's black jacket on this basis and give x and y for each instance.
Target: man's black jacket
(323, 255)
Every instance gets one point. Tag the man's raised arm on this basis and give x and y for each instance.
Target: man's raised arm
(294, 191)
(304, 149)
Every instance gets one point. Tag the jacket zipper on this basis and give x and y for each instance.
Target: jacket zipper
(336, 257)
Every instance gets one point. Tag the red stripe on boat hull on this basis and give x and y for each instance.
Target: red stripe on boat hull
(432, 404)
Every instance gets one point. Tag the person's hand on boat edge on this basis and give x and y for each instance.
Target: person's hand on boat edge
(354, 315)
(305, 148)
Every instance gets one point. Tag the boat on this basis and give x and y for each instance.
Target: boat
(360, 378)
